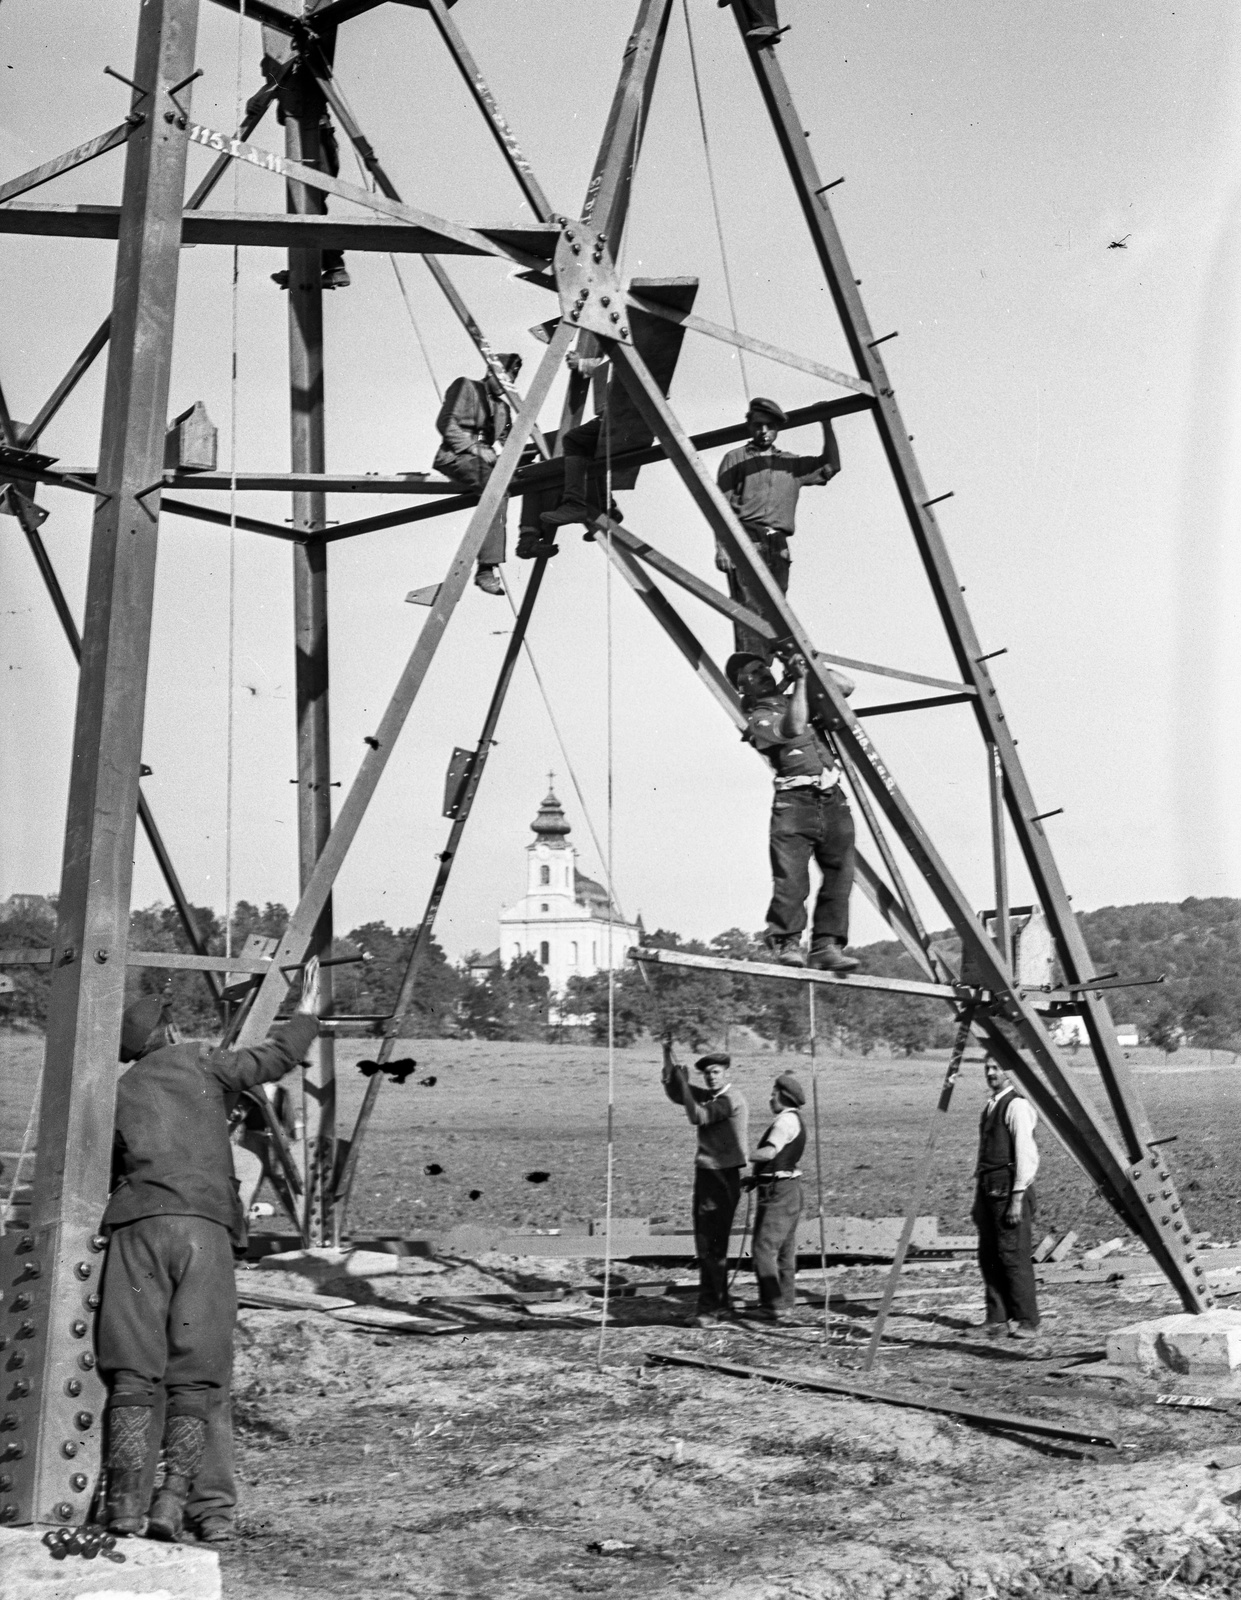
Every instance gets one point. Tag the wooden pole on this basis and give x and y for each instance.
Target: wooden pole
(818, 1163)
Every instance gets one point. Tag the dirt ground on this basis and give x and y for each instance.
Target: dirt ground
(498, 1452)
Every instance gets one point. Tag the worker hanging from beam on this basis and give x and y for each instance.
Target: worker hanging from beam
(762, 484)
(473, 423)
(809, 817)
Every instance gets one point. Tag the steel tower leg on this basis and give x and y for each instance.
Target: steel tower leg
(49, 1460)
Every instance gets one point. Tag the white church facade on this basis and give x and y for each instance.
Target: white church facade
(563, 918)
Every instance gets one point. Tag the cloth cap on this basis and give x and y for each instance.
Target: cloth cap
(509, 360)
(734, 664)
(768, 408)
(788, 1086)
(712, 1061)
(138, 1024)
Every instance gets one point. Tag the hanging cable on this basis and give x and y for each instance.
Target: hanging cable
(610, 1165)
(551, 717)
(715, 199)
(232, 524)
(368, 182)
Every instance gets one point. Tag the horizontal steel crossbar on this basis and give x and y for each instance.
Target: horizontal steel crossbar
(957, 993)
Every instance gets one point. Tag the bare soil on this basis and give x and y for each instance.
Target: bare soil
(501, 1455)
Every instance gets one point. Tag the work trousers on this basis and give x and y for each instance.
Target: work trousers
(716, 1194)
(775, 1242)
(773, 547)
(470, 471)
(806, 823)
(585, 474)
(168, 1311)
(1005, 1258)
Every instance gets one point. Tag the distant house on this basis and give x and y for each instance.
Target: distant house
(37, 907)
(480, 967)
(1070, 1031)
(1127, 1035)
(564, 920)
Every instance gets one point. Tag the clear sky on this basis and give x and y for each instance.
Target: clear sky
(1081, 401)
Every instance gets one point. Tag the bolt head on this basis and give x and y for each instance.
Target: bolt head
(69, 1448)
(83, 1270)
(78, 1482)
(73, 1388)
(624, 333)
(84, 1420)
(86, 1360)
(64, 1511)
(79, 1329)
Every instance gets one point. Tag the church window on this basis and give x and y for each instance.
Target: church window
(544, 953)
(542, 905)
(594, 954)
(573, 953)
(545, 875)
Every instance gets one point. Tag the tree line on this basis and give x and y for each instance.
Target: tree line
(1195, 945)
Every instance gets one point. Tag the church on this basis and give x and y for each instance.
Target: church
(564, 918)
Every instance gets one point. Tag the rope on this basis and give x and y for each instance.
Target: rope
(607, 591)
(232, 526)
(368, 182)
(715, 199)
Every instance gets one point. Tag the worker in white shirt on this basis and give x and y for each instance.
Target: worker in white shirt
(777, 1178)
(1004, 1207)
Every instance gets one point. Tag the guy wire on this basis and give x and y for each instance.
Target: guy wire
(607, 591)
(232, 522)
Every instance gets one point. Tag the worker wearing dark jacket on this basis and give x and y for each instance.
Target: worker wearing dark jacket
(718, 1113)
(169, 1300)
(777, 1180)
(473, 422)
(762, 484)
(809, 816)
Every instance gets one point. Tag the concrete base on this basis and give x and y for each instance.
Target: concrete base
(150, 1571)
(1208, 1345)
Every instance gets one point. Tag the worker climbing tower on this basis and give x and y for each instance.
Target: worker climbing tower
(50, 1269)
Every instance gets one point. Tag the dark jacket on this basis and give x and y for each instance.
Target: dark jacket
(171, 1148)
(762, 485)
(721, 1120)
(469, 418)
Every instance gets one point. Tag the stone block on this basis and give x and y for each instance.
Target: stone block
(1206, 1344)
(150, 1571)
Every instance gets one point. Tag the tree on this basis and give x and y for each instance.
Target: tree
(1164, 1030)
(509, 1003)
(371, 987)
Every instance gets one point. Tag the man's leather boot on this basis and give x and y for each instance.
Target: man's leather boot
(129, 1429)
(785, 949)
(183, 1451)
(829, 956)
(580, 503)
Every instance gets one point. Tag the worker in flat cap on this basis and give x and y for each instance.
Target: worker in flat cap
(473, 423)
(762, 484)
(759, 17)
(1004, 1207)
(718, 1113)
(168, 1301)
(810, 817)
(776, 1178)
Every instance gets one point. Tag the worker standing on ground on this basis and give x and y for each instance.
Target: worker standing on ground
(474, 421)
(1004, 1207)
(777, 1181)
(169, 1298)
(718, 1112)
(809, 816)
(762, 484)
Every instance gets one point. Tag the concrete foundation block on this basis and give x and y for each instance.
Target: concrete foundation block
(150, 1571)
(1192, 1345)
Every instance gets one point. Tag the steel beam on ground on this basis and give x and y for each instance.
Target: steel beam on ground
(55, 1259)
(1133, 1163)
(422, 937)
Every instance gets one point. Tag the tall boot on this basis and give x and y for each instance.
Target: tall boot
(184, 1438)
(580, 503)
(129, 1429)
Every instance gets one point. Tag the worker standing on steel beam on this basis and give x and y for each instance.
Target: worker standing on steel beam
(169, 1299)
(760, 15)
(762, 484)
(1004, 1207)
(809, 816)
(777, 1180)
(473, 423)
(718, 1113)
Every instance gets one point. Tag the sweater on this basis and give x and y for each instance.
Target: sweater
(722, 1120)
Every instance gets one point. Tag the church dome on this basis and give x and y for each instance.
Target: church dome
(551, 826)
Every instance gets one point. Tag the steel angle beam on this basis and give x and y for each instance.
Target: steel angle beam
(72, 158)
(763, 969)
(1137, 1176)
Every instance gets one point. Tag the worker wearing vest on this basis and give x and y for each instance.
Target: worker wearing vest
(1004, 1208)
(777, 1180)
(809, 817)
(718, 1113)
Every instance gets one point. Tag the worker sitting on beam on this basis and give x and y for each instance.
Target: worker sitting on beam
(474, 421)
(810, 815)
(762, 484)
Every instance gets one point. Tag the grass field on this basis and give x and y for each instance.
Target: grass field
(498, 1111)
